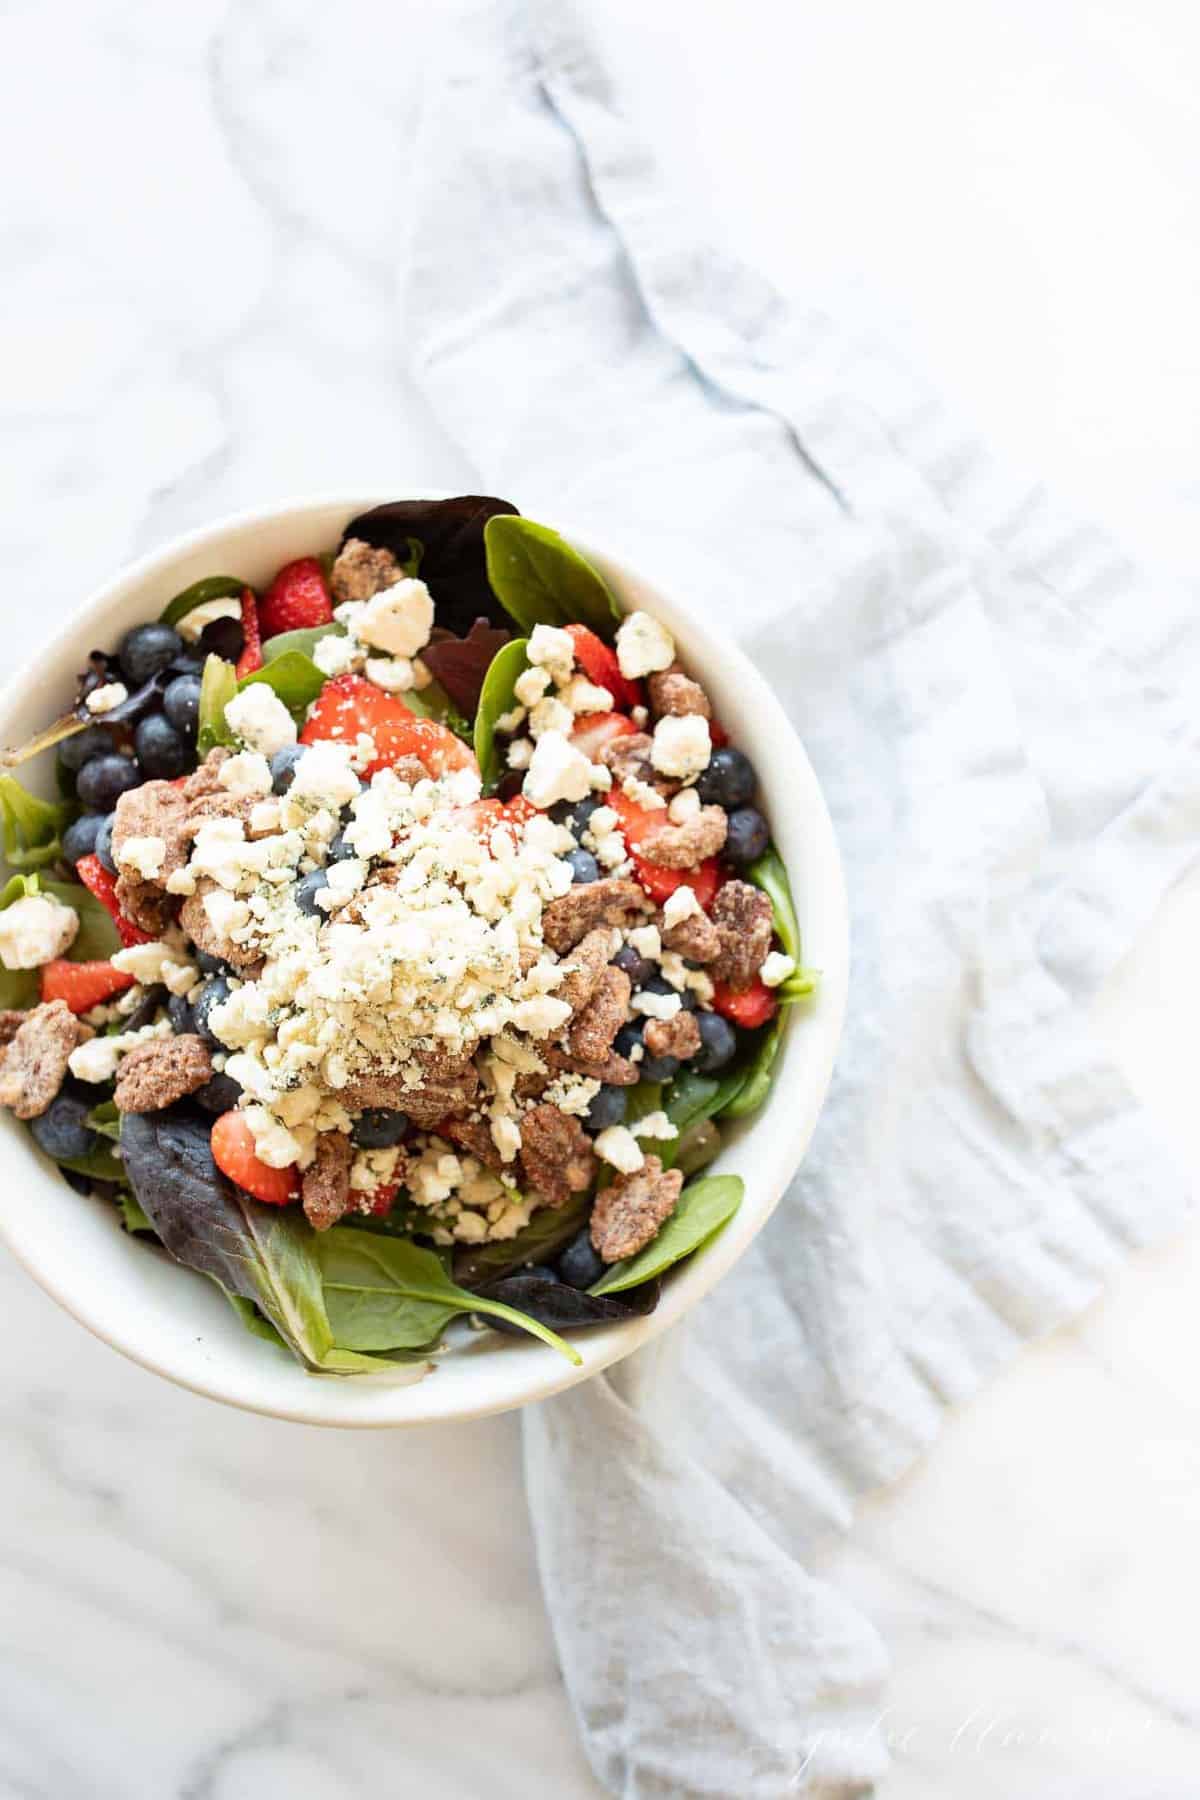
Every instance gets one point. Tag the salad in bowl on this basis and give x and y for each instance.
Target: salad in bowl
(403, 937)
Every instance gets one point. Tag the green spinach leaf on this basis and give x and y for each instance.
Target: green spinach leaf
(495, 699)
(769, 874)
(105, 1119)
(218, 686)
(385, 1294)
(305, 640)
(750, 1088)
(132, 1216)
(209, 587)
(540, 579)
(293, 676)
(433, 702)
(32, 827)
(97, 937)
(704, 1206)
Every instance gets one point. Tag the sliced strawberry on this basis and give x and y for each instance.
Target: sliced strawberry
(82, 984)
(97, 880)
(638, 826)
(599, 663)
(233, 1152)
(519, 810)
(747, 1007)
(296, 600)
(482, 816)
(599, 729)
(718, 736)
(348, 705)
(383, 1198)
(251, 657)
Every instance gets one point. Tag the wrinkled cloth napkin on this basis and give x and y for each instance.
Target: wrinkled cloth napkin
(996, 703)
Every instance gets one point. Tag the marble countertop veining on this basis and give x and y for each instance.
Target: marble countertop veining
(198, 302)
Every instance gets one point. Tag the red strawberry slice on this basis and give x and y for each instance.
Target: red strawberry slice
(519, 810)
(296, 600)
(348, 705)
(251, 657)
(747, 1007)
(638, 826)
(82, 984)
(599, 663)
(383, 1198)
(97, 880)
(599, 730)
(233, 1151)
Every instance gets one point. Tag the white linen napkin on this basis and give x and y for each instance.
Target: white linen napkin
(996, 704)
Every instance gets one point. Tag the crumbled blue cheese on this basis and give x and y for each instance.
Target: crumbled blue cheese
(103, 699)
(394, 674)
(260, 719)
(397, 620)
(682, 745)
(683, 806)
(557, 771)
(324, 777)
(680, 905)
(98, 1059)
(34, 930)
(335, 654)
(646, 941)
(144, 855)
(643, 646)
(552, 649)
(248, 772)
(583, 696)
(654, 1125)
(550, 715)
(530, 685)
(656, 1006)
(775, 968)
(618, 1147)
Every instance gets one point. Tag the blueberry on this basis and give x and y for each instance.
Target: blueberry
(79, 839)
(208, 964)
(728, 781)
(638, 968)
(579, 816)
(162, 751)
(219, 1094)
(61, 1131)
(579, 1266)
(92, 741)
(541, 1272)
(182, 1018)
(658, 1068)
(340, 848)
(147, 649)
(104, 779)
(190, 661)
(629, 1037)
(211, 994)
(103, 844)
(747, 837)
(718, 1043)
(283, 766)
(306, 891)
(608, 1107)
(181, 703)
(378, 1128)
(224, 638)
(583, 866)
(657, 984)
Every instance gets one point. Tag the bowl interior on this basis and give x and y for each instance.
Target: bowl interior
(178, 1323)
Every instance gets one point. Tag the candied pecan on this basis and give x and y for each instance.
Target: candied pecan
(679, 1036)
(591, 1033)
(613, 1070)
(672, 693)
(361, 570)
(410, 769)
(325, 1184)
(146, 903)
(585, 968)
(475, 1137)
(11, 1021)
(686, 846)
(630, 756)
(206, 778)
(35, 1061)
(556, 1154)
(162, 1070)
(446, 1086)
(628, 1212)
(156, 809)
(745, 923)
(695, 937)
(612, 901)
(200, 928)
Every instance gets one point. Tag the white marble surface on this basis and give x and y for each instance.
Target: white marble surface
(197, 301)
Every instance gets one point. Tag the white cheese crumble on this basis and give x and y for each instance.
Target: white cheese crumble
(104, 699)
(557, 771)
(682, 745)
(149, 963)
(394, 674)
(646, 941)
(398, 619)
(144, 855)
(553, 649)
(618, 1147)
(775, 968)
(643, 646)
(97, 1060)
(683, 806)
(324, 777)
(337, 655)
(583, 696)
(680, 905)
(550, 715)
(656, 1006)
(248, 772)
(654, 1125)
(258, 716)
(34, 930)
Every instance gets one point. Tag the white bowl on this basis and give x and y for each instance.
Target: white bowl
(177, 1323)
